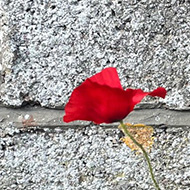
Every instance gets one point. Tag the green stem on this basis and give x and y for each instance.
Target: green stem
(125, 130)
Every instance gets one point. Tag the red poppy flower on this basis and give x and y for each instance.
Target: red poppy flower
(102, 99)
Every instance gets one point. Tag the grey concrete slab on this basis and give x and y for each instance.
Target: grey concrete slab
(90, 158)
(50, 47)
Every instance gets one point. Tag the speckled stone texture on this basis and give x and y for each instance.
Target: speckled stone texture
(90, 158)
(57, 44)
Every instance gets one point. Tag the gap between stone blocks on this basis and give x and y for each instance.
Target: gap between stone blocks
(28, 117)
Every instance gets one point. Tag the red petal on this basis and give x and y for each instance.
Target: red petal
(137, 94)
(160, 92)
(101, 99)
(98, 103)
(108, 77)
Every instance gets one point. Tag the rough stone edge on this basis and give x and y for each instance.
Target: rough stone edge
(30, 117)
(6, 53)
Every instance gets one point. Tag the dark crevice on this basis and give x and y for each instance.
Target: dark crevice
(30, 103)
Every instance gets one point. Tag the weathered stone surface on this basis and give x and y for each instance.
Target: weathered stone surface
(57, 44)
(6, 53)
(49, 47)
(90, 158)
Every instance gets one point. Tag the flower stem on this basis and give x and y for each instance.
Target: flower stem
(126, 132)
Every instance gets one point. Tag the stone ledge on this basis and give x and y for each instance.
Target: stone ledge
(51, 118)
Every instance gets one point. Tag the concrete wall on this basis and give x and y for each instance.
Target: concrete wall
(50, 47)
